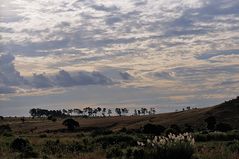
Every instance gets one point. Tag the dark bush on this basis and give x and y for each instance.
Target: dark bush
(168, 131)
(71, 124)
(217, 136)
(153, 129)
(5, 129)
(114, 152)
(188, 128)
(54, 119)
(53, 147)
(173, 129)
(122, 140)
(223, 127)
(176, 128)
(23, 146)
(7, 134)
(76, 147)
(233, 146)
(124, 130)
(98, 132)
(43, 136)
(211, 121)
(138, 154)
(20, 145)
(129, 153)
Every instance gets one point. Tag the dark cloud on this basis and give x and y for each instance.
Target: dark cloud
(41, 81)
(9, 77)
(140, 2)
(7, 90)
(210, 54)
(8, 74)
(105, 8)
(185, 24)
(6, 30)
(64, 79)
(125, 76)
(164, 75)
(92, 78)
(9, 13)
(202, 74)
(63, 24)
(34, 48)
(112, 20)
(228, 82)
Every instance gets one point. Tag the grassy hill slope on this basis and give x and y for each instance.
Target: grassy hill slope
(226, 112)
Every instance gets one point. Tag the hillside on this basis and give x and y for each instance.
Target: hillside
(226, 112)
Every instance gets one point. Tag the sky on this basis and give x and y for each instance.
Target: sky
(130, 53)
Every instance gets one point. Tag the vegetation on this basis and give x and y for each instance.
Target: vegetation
(87, 112)
(71, 124)
(208, 135)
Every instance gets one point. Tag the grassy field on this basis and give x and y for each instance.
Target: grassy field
(118, 137)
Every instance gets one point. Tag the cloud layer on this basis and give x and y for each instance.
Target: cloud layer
(181, 50)
(11, 80)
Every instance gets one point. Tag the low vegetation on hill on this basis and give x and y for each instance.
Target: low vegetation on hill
(207, 133)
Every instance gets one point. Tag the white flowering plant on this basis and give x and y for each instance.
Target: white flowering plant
(169, 147)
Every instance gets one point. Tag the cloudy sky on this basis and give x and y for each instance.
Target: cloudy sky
(166, 53)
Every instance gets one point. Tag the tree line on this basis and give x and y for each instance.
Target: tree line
(90, 112)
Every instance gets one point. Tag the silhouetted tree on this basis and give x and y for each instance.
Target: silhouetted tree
(78, 111)
(64, 111)
(103, 112)
(139, 112)
(124, 111)
(153, 111)
(118, 111)
(144, 111)
(71, 124)
(109, 112)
